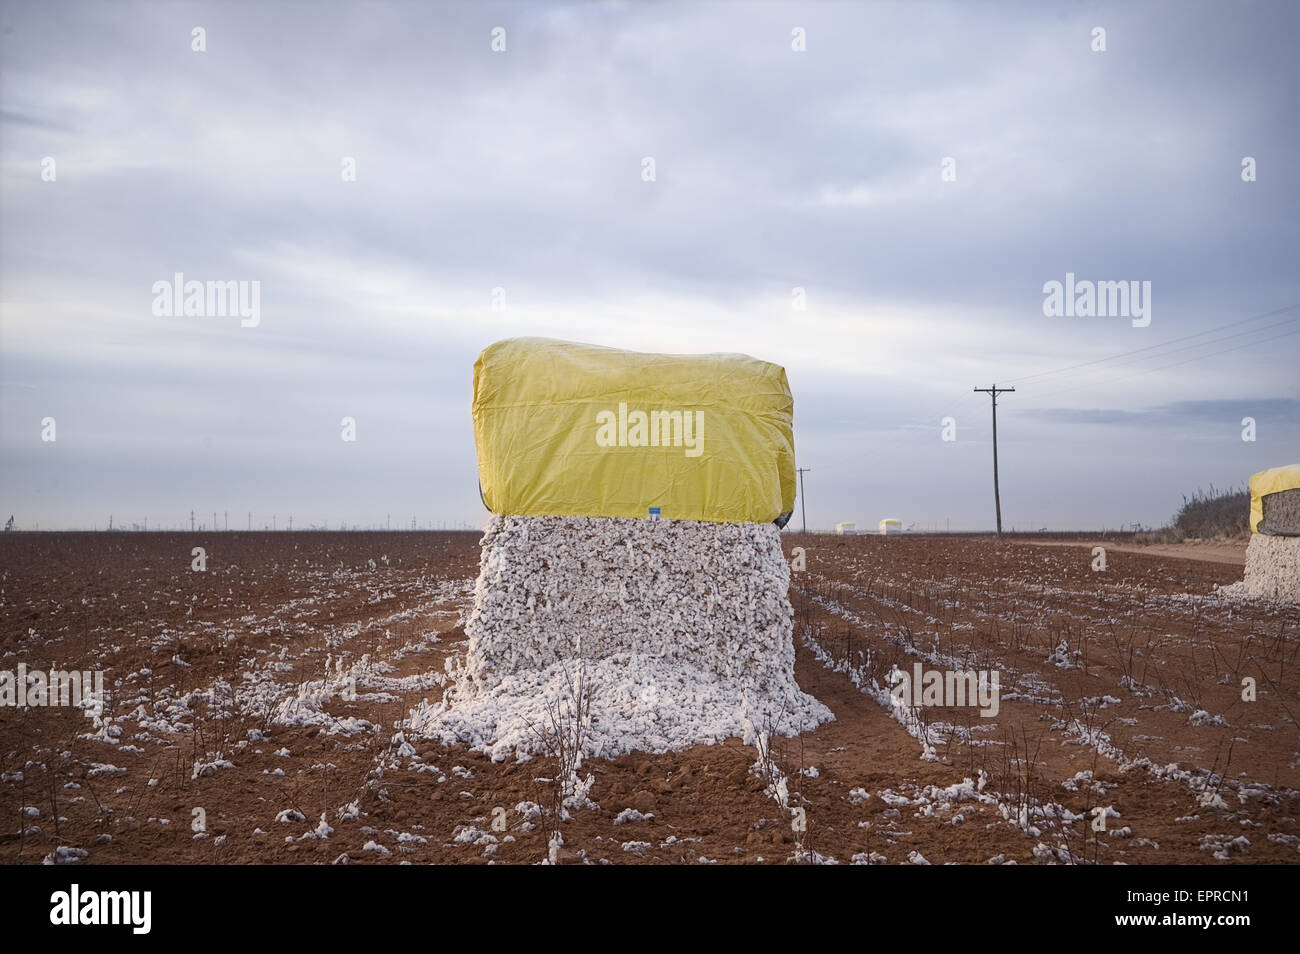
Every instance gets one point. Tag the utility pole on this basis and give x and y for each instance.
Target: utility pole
(803, 507)
(290, 523)
(993, 393)
(214, 521)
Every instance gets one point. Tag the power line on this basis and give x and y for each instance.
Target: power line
(993, 393)
(1215, 341)
(1198, 334)
(1165, 367)
(1212, 342)
(1160, 354)
(962, 403)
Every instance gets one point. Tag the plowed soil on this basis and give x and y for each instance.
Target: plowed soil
(255, 713)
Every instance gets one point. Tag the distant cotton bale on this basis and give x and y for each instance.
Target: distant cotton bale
(1273, 567)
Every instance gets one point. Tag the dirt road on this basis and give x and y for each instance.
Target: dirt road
(1231, 551)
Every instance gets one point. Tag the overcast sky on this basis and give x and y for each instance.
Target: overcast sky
(524, 170)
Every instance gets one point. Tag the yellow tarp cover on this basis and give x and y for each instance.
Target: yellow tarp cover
(1270, 481)
(565, 429)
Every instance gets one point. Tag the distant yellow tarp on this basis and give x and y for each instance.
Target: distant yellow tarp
(1271, 481)
(566, 429)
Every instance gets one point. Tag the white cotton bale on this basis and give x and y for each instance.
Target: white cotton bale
(683, 629)
(1273, 567)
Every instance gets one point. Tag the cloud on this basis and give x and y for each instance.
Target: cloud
(522, 171)
(1179, 412)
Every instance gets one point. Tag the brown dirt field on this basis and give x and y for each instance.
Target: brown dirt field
(1214, 551)
(225, 706)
